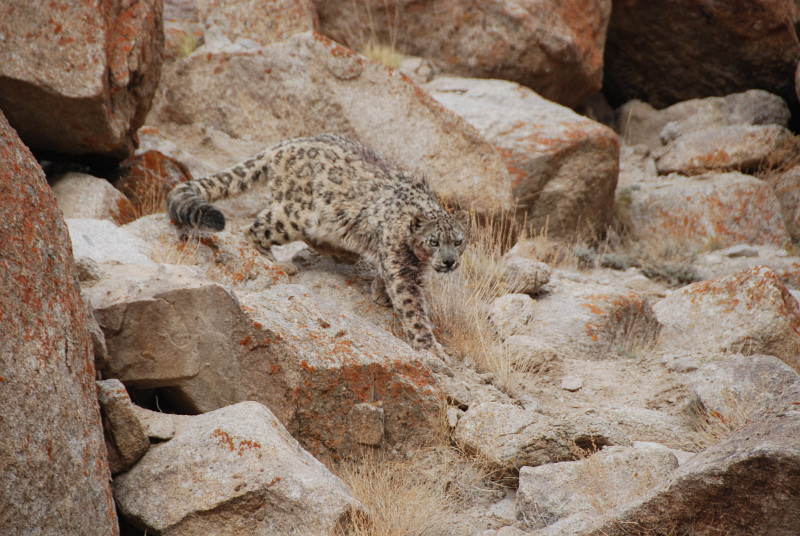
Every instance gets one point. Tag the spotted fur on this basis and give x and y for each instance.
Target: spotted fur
(341, 197)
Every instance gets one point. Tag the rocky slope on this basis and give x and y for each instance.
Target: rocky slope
(624, 329)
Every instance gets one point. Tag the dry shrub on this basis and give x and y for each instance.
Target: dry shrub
(398, 500)
(714, 425)
(555, 253)
(146, 180)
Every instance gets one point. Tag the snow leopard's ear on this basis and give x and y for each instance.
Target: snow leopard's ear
(462, 217)
(417, 223)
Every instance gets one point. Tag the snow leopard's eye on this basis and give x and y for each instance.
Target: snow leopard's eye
(433, 243)
(457, 242)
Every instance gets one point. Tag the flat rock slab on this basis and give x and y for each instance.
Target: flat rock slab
(508, 437)
(233, 471)
(719, 209)
(308, 84)
(563, 166)
(750, 312)
(611, 477)
(225, 258)
(101, 241)
(719, 263)
(640, 123)
(312, 364)
(745, 148)
(79, 77)
(740, 383)
(580, 320)
(167, 326)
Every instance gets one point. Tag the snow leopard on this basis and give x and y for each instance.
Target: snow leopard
(340, 196)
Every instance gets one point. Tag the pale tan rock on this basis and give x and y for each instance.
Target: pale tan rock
(786, 185)
(717, 263)
(508, 437)
(167, 326)
(563, 166)
(636, 164)
(126, 440)
(225, 258)
(645, 424)
(604, 480)
(158, 426)
(526, 276)
(745, 484)
(312, 351)
(233, 471)
(580, 320)
(529, 352)
(312, 363)
(79, 78)
(750, 312)
(713, 210)
(512, 314)
(277, 20)
(730, 148)
(98, 242)
(640, 123)
(83, 196)
(204, 24)
(737, 384)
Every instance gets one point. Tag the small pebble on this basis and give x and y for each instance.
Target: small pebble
(571, 383)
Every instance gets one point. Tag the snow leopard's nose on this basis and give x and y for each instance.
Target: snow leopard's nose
(448, 264)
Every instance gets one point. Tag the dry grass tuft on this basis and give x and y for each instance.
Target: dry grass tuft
(188, 44)
(166, 250)
(592, 482)
(385, 54)
(461, 300)
(633, 528)
(398, 500)
(366, 34)
(714, 425)
(591, 479)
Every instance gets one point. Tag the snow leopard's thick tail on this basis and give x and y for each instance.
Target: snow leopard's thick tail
(189, 203)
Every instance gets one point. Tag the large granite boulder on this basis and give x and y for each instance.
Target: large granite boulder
(745, 485)
(563, 166)
(79, 77)
(714, 210)
(555, 48)
(234, 471)
(749, 312)
(53, 469)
